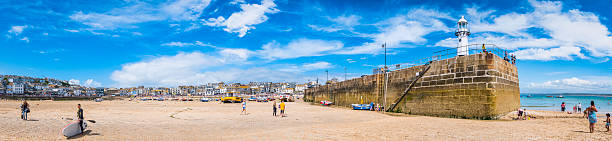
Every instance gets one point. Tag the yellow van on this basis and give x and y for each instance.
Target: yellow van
(231, 99)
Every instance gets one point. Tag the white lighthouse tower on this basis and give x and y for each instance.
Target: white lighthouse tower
(462, 34)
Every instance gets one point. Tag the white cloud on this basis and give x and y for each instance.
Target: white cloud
(236, 54)
(340, 23)
(350, 61)
(564, 53)
(26, 39)
(177, 44)
(184, 9)
(573, 85)
(74, 82)
(298, 48)
(564, 34)
(198, 68)
(16, 30)
(87, 83)
(186, 44)
(92, 83)
(166, 70)
(71, 30)
(317, 65)
(237, 2)
(140, 12)
(403, 29)
(306, 67)
(243, 21)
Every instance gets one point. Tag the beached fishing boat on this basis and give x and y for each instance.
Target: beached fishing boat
(361, 106)
(205, 99)
(326, 103)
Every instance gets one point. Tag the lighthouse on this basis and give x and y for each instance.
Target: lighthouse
(462, 34)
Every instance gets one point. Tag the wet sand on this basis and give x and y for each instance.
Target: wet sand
(174, 120)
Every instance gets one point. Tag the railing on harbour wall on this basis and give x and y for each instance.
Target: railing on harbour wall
(450, 53)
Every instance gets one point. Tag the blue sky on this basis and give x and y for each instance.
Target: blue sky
(562, 46)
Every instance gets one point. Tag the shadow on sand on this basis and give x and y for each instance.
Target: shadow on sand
(582, 131)
(32, 120)
(86, 133)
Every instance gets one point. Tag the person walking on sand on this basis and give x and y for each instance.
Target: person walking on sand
(525, 114)
(520, 114)
(607, 122)
(592, 116)
(562, 106)
(243, 107)
(25, 109)
(282, 108)
(579, 107)
(80, 117)
(274, 109)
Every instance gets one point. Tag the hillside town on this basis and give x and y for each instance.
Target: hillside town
(30, 86)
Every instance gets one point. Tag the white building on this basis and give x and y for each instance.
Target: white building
(18, 88)
(76, 92)
(300, 87)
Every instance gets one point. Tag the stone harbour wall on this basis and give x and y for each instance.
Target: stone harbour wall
(480, 86)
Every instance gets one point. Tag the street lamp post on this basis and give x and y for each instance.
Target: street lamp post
(386, 76)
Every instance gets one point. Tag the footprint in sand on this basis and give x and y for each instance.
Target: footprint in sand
(180, 111)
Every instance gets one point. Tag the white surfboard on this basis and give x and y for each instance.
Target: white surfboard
(73, 129)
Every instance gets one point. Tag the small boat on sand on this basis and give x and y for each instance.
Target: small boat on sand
(361, 106)
(205, 99)
(326, 103)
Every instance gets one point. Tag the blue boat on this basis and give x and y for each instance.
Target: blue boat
(361, 106)
(205, 99)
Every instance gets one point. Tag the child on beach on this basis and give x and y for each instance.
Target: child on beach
(243, 107)
(607, 122)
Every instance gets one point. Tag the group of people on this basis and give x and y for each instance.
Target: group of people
(577, 108)
(522, 114)
(281, 106)
(25, 109)
(376, 108)
(511, 58)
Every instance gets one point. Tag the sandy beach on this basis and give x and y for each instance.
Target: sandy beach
(174, 120)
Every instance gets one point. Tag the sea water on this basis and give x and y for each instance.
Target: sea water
(603, 103)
